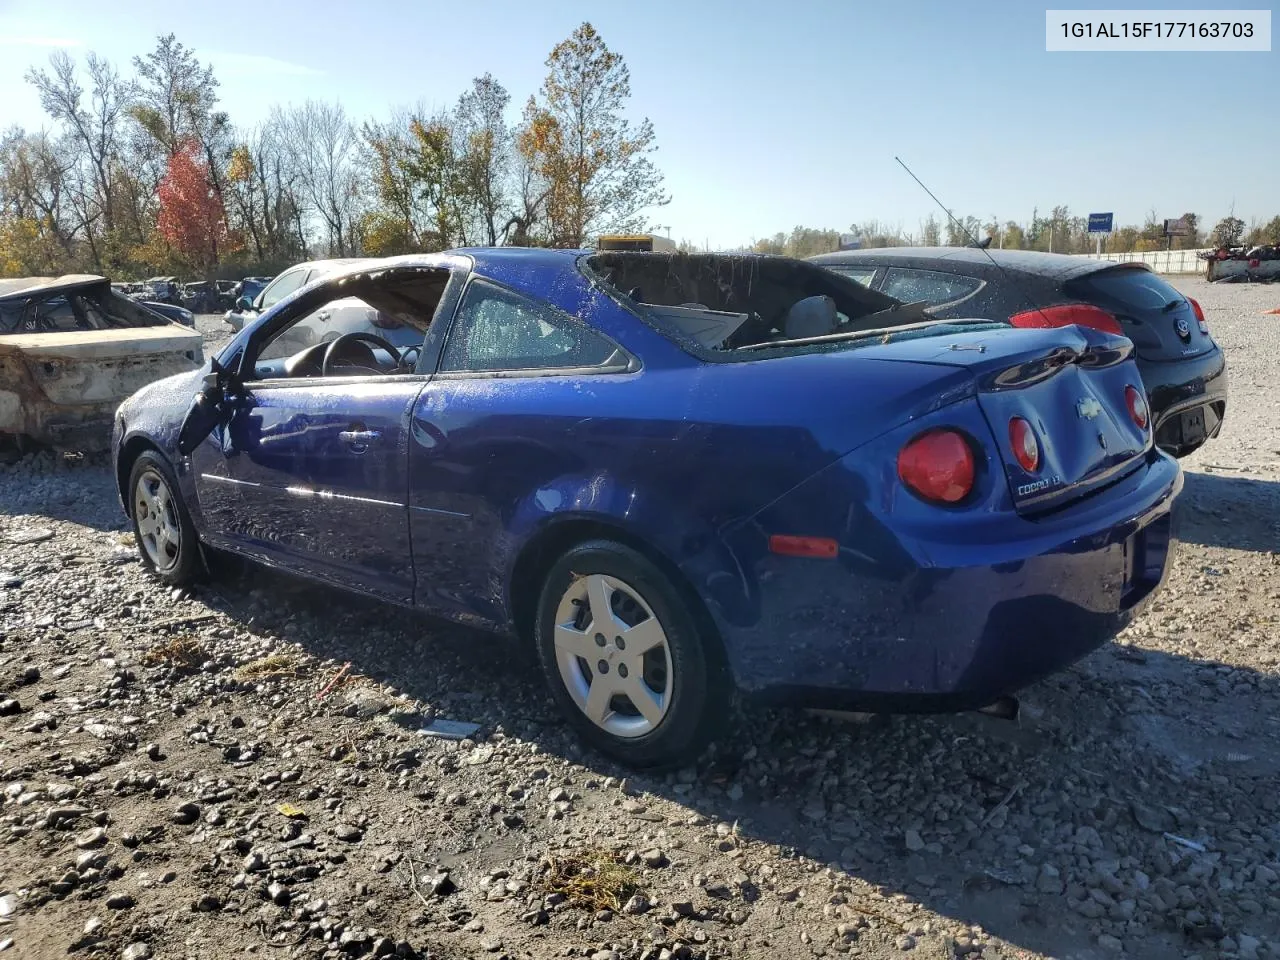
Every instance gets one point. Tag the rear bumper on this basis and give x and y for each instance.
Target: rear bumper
(70, 404)
(1181, 386)
(26, 411)
(85, 427)
(899, 625)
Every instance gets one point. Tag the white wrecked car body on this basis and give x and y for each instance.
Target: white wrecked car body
(71, 349)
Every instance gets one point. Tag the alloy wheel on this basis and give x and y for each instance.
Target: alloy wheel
(613, 656)
(159, 531)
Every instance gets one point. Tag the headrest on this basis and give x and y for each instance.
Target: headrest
(810, 317)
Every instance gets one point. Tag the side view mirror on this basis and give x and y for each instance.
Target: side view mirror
(243, 304)
(208, 408)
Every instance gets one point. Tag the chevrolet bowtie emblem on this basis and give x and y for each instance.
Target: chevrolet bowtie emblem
(1088, 408)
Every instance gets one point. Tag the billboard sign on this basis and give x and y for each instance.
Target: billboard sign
(1100, 222)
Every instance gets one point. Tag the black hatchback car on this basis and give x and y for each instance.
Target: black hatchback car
(1183, 369)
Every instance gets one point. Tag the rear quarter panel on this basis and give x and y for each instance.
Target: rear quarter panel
(673, 454)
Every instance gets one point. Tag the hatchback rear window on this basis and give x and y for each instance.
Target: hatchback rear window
(1134, 288)
(934, 288)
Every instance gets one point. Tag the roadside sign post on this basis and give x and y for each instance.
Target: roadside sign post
(1100, 223)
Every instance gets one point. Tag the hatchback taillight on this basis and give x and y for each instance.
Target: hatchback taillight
(1136, 401)
(938, 466)
(1195, 305)
(1065, 315)
(1026, 448)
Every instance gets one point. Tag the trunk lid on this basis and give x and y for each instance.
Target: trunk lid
(1156, 317)
(96, 366)
(1068, 383)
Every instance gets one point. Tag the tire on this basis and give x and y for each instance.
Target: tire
(679, 685)
(159, 518)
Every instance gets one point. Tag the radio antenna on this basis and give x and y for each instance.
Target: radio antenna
(974, 242)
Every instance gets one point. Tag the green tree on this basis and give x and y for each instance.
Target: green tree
(421, 186)
(929, 233)
(1227, 232)
(1194, 237)
(809, 242)
(484, 157)
(36, 213)
(596, 163)
(1269, 232)
(1123, 240)
(176, 95)
(776, 245)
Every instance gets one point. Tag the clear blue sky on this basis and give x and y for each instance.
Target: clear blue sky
(767, 115)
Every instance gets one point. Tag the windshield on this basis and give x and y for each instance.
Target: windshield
(281, 287)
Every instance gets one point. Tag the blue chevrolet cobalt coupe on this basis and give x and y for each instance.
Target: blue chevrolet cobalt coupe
(679, 477)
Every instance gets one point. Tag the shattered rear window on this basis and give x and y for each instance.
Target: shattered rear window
(74, 311)
(750, 306)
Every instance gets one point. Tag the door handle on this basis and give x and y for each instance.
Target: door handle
(359, 440)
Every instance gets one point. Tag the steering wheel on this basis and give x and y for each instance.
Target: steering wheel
(409, 357)
(339, 343)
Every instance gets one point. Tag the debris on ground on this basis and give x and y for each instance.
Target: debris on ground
(451, 729)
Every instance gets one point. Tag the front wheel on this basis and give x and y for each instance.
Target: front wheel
(161, 524)
(625, 658)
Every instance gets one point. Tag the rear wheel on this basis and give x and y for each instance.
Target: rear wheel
(625, 659)
(161, 524)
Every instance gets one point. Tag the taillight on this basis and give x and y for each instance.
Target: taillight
(817, 548)
(1064, 315)
(1136, 401)
(1195, 305)
(1026, 448)
(938, 466)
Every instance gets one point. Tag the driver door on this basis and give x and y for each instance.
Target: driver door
(310, 471)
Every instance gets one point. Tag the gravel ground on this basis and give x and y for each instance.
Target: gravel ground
(181, 776)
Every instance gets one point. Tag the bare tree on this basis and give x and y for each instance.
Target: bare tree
(320, 147)
(34, 192)
(91, 122)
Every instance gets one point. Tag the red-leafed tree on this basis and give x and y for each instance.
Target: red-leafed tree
(192, 217)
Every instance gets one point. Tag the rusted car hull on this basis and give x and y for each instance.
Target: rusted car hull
(62, 389)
